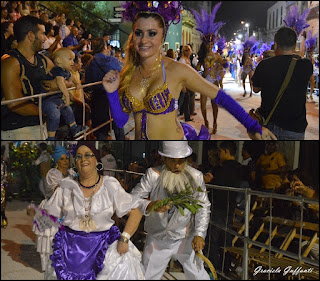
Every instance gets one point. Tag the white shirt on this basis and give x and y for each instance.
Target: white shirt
(68, 201)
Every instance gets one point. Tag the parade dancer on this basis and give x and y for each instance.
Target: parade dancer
(169, 233)
(89, 246)
(150, 84)
(53, 179)
(209, 60)
(310, 46)
(248, 65)
(222, 64)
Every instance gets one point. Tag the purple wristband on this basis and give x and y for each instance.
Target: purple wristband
(234, 108)
(119, 117)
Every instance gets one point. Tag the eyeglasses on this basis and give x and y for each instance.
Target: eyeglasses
(87, 156)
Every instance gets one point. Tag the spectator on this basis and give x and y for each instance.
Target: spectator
(118, 56)
(86, 47)
(250, 162)
(20, 120)
(193, 62)
(214, 164)
(85, 58)
(53, 19)
(77, 97)
(4, 14)
(69, 25)
(44, 17)
(53, 40)
(7, 37)
(289, 118)
(44, 163)
(106, 37)
(71, 41)
(184, 98)
(224, 203)
(13, 11)
(171, 54)
(100, 64)
(108, 161)
(61, 23)
(24, 8)
(59, 104)
(271, 167)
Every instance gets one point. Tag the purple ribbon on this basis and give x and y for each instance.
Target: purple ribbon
(78, 255)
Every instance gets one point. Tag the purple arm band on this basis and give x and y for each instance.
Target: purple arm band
(119, 117)
(238, 112)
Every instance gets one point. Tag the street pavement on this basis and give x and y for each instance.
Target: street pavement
(19, 258)
(228, 127)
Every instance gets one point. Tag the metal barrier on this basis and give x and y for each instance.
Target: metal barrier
(41, 95)
(248, 193)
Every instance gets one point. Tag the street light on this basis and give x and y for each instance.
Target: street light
(246, 24)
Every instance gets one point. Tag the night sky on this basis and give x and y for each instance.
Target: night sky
(233, 12)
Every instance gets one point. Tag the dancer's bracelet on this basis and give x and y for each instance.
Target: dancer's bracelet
(124, 239)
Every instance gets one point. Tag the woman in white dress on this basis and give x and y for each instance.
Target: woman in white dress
(90, 246)
(53, 179)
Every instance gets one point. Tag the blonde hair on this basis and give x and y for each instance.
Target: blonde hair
(59, 52)
(131, 60)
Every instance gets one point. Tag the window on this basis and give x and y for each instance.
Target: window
(269, 21)
(166, 46)
(273, 25)
(177, 46)
(281, 13)
(277, 18)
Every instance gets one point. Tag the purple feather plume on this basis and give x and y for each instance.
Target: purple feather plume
(206, 25)
(295, 21)
(311, 41)
(249, 42)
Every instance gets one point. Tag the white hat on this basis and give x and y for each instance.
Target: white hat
(175, 149)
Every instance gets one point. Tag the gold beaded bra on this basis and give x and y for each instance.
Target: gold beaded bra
(158, 101)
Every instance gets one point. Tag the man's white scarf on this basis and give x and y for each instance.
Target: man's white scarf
(176, 183)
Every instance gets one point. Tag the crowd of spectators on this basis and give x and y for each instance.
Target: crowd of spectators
(63, 31)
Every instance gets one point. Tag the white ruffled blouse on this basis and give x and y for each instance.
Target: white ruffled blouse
(68, 202)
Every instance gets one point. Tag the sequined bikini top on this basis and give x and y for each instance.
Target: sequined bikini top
(158, 101)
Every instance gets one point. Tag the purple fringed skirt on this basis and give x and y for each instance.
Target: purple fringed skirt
(78, 255)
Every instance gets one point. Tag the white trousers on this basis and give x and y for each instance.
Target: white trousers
(157, 255)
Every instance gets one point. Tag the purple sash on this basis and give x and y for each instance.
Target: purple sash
(78, 255)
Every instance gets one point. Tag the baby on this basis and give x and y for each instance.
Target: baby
(56, 105)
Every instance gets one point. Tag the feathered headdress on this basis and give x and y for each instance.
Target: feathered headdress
(295, 21)
(249, 42)
(311, 42)
(206, 25)
(265, 47)
(237, 47)
(168, 10)
(221, 43)
(255, 50)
